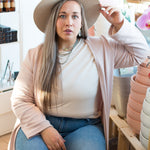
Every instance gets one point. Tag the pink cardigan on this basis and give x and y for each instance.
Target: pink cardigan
(125, 48)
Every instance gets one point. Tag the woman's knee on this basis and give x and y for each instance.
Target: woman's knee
(86, 138)
(22, 143)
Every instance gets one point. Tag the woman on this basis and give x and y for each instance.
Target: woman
(62, 94)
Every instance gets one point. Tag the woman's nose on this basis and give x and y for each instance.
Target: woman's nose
(69, 21)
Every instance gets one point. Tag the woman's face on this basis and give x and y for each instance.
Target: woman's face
(69, 21)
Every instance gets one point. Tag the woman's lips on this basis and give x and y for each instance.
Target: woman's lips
(68, 31)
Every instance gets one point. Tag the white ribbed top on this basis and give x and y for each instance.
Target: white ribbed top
(79, 84)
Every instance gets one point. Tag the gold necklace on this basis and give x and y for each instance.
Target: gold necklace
(66, 51)
(67, 48)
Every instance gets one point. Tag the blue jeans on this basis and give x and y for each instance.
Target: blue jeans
(79, 134)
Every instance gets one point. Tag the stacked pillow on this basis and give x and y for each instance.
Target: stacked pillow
(139, 84)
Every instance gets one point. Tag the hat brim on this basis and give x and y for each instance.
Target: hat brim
(42, 12)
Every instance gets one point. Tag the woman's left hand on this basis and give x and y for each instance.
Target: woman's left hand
(113, 15)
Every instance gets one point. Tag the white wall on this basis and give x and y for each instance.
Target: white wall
(31, 36)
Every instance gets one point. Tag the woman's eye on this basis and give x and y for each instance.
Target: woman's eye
(75, 17)
(62, 16)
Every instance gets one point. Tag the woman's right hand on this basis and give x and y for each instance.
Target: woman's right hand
(53, 139)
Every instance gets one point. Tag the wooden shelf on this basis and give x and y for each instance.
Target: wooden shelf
(6, 44)
(11, 50)
(7, 88)
(127, 139)
(137, 1)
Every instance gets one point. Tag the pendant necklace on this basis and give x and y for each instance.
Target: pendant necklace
(66, 52)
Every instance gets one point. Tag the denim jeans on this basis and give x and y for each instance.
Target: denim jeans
(79, 134)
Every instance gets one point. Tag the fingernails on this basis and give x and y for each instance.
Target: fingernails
(102, 8)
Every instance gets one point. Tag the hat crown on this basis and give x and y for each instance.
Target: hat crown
(42, 11)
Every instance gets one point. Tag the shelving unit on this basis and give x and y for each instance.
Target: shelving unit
(28, 37)
(11, 51)
(137, 1)
(127, 139)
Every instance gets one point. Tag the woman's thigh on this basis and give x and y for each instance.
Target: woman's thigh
(89, 137)
(34, 143)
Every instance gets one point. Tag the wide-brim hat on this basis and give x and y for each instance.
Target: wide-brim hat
(43, 9)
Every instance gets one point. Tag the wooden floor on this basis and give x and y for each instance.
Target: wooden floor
(4, 141)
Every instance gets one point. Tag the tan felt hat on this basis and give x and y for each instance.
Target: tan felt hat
(43, 9)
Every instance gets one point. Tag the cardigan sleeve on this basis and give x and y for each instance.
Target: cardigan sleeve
(32, 120)
(130, 46)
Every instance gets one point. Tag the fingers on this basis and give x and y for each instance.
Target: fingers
(53, 139)
(113, 15)
(109, 10)
(58, 145)
(62, 145)
(104, 10)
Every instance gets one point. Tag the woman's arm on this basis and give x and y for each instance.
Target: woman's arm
(32, 120)
(129, 45)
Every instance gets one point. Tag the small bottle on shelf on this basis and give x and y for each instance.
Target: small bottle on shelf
(1, 5)
(12, 5)
(6, 5)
